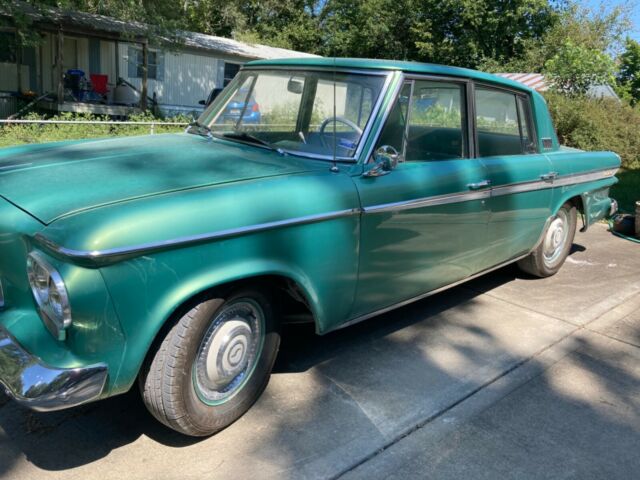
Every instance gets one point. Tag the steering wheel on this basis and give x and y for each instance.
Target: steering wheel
(342, 120)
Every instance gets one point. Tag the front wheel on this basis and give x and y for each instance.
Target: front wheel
(556, 243)
(213, 364)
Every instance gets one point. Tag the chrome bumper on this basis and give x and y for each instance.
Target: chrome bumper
(43, 388)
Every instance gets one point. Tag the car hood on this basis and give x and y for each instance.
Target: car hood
(53, 180)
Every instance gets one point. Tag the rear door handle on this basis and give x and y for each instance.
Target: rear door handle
(549, 177)
(479, 185)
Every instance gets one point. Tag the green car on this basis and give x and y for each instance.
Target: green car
(172, 261)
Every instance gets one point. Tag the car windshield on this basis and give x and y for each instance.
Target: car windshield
(315, 114)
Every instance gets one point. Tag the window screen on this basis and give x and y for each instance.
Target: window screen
(155, 64)
(8, 50)
(230, 71)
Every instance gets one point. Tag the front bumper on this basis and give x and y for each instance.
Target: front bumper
(44, 388)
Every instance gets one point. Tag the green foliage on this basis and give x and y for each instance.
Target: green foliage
(17, 134)
(435, 116)
(627, 190)
(602, 29)
(575, 68)
(629, 76)
(602, 124)
(454, 32)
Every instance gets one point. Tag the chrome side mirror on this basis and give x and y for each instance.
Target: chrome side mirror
(384, 160)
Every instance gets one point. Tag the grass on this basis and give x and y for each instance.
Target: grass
(627, 190)
(19, 134)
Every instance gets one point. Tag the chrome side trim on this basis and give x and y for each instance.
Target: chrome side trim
(521, 187)
(584, 177)
(41, 387)
(367, 316)
(559, 181)
(428, 201)
(232, 232)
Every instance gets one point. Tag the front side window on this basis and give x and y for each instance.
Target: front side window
(502, 123)
(435, 114)
(318, 114)
(436, 122)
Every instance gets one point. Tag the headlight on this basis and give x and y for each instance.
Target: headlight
(50, 295)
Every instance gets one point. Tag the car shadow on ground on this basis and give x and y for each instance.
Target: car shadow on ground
(87, 433)
(63, 440)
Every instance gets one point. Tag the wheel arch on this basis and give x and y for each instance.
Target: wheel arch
(591, 200)
(292, 288)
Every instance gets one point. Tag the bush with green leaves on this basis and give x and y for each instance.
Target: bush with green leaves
(21, 133)
(597, 124)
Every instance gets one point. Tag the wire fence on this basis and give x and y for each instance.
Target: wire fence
(152, 125)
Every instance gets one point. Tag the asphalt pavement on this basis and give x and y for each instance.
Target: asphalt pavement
(503, 377)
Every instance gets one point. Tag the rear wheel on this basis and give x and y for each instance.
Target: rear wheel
(550, 255)
(213, 364)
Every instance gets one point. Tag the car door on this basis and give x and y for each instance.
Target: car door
(424, 223)
(520, 197)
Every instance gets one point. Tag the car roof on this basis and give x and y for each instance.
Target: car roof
(377, 64)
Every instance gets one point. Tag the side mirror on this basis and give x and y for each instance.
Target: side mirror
(384, 160)
(202, 102)
(295, 85)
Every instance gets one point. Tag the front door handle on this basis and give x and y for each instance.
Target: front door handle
(549, 177)
(479, 185)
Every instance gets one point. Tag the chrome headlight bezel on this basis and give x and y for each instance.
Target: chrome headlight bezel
(50, 294)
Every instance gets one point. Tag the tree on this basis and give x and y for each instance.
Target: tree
(575, 68)
(629, 74)
(600, 29)
(455, 32)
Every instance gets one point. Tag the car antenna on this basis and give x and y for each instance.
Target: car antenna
(334, 167)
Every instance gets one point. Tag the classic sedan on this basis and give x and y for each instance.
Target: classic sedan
(171, 262)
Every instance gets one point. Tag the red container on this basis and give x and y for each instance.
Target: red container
(99, 83)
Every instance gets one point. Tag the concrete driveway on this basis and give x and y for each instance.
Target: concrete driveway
(504, 377)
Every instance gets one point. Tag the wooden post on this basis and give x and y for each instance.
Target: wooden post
(145, 64)
(60, 65)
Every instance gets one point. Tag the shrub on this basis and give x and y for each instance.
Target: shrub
(602, 124)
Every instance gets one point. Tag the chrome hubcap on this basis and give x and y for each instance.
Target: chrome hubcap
(229, 351)
(556, 238)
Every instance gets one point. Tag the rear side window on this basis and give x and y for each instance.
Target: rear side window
(502, 123)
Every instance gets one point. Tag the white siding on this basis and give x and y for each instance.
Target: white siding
(83, 55)
(47, 62)
(108, 60)
(188, 77)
